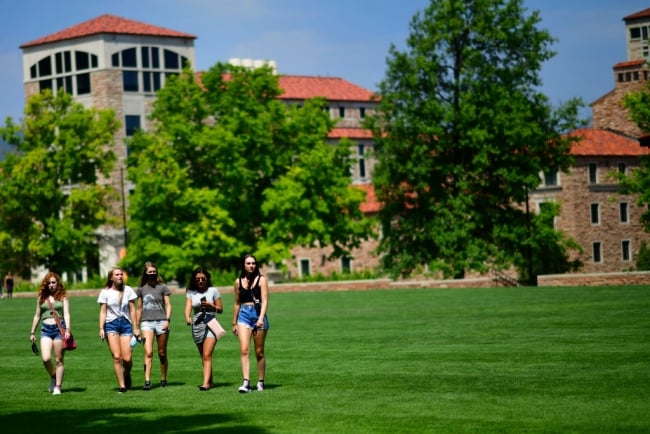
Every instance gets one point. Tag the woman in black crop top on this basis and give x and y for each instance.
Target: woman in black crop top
(249, 319)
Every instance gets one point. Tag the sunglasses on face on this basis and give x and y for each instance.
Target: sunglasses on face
(201, 279)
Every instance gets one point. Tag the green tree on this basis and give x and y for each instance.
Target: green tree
(51, 203)
(462, 134)
(228, 168)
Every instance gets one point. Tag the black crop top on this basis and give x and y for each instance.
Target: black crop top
(246, 295)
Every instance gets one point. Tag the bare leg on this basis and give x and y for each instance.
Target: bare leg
(244, 335)
(148, 353)
(206, 358)
(162, 355)
(259, 338)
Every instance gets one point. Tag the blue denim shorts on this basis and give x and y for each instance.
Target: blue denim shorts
(154, 326)
(51, 331)
(248, 317)
(120, 326)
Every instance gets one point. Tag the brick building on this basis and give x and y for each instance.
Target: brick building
(604, 222)
(117, 63)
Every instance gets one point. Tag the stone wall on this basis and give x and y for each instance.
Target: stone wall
(595, 279)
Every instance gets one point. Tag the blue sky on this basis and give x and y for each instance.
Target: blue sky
(339, 38)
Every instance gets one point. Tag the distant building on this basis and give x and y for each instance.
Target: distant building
(113, 62)
(117, 63)
(604, 222)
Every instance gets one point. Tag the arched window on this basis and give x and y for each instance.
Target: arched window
(145, 70)
(65, 71)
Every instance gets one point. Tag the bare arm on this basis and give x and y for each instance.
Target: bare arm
(188, 311)
(102, 321)
(35, 321)
(168, 309)
(237, 305)
(264, 287)
(136, 327)
(66, 315)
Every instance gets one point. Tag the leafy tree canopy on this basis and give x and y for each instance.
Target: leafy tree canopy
(51, 203)
(229, 169)
(462, 134)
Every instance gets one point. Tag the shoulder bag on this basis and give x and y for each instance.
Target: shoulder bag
(68, 344)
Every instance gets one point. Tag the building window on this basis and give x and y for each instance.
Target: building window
(362, 112)
(625, 250)
(171, 60)
(620, 77)
(305, 267)
(621, 168)
(148, 66)
(550, 179)
(83, 84)
(129, 58)
(635, 33)
(45, 67)
(362, 162)
(596, 247)
(622, 207)
(593, 178)
(341, 112)
(131, 124)
(60, 73)
(595, 217)
(346, 265)
(130, 81)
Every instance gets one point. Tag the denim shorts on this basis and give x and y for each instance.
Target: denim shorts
(154, 326)
(120, 326)
(248, 317)
(51, 331)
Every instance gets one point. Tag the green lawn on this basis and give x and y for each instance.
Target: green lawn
(547, 360)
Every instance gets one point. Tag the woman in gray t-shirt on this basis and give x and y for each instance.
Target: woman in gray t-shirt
(154, 313)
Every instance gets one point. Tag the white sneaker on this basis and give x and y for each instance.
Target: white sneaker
(260, 386)
(52, 384)
(245, 388)
(56, 391)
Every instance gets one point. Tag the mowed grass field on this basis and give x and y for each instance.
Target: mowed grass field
(502, 360)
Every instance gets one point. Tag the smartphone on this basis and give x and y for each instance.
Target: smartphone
(203, 299)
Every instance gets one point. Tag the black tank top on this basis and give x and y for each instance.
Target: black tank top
(246, 295)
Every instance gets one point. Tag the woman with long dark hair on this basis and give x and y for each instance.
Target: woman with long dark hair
(52, 300)
(249, 319)
(204, 300)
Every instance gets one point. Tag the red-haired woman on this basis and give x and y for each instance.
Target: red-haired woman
(52, 299)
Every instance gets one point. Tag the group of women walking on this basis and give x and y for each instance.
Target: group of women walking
(128, 316)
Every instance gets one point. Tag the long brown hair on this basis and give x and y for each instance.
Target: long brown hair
(109, 279)
(44, 292)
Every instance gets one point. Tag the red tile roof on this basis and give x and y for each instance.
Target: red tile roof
(370, 205)
(107, 24)
(641, 14)
(352, 133)
(602, 143)
(629, 64)
(300, 87)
